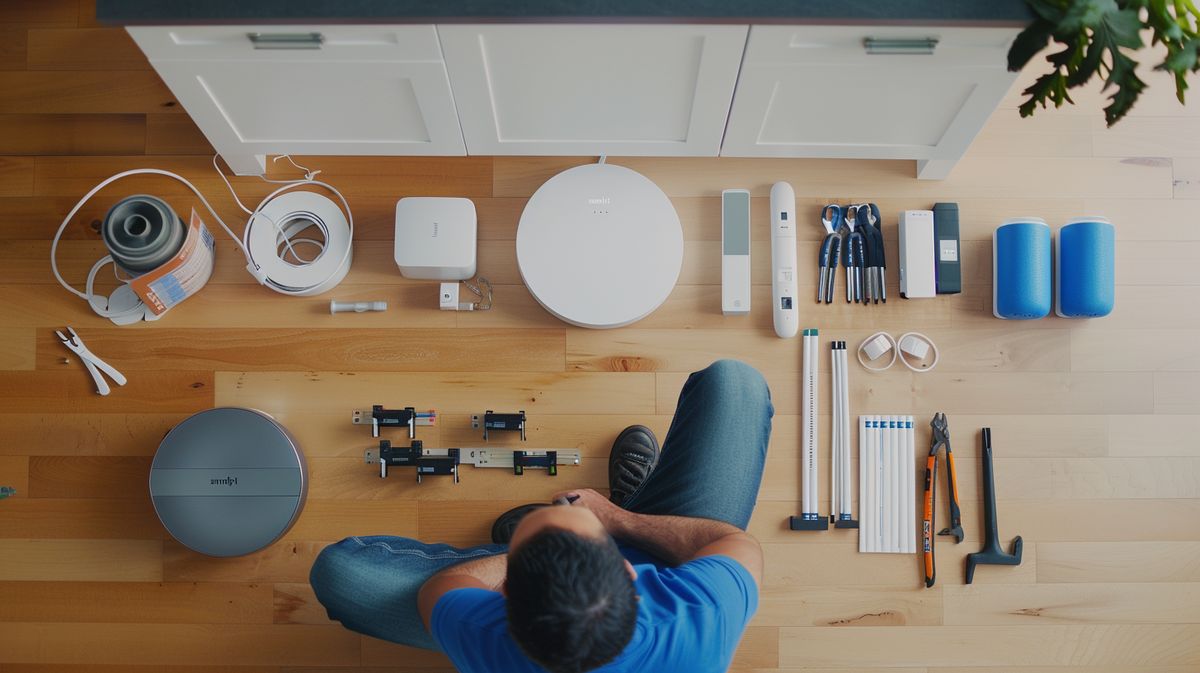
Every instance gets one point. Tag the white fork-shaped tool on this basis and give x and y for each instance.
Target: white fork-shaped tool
(94, 364)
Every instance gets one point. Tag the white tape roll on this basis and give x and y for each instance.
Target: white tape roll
(288, 216)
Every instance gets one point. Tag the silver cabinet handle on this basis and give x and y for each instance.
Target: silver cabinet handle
(286, 40)
(917, 45)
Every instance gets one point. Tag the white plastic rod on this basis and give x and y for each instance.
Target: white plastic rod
(835, 463)
(889, 485)
(910, 521)
(808, 458)
(864, 493)
(844, 380)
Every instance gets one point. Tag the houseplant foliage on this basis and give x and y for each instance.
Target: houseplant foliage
(1097, 38)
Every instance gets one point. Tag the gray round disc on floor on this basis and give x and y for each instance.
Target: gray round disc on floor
(228, 481)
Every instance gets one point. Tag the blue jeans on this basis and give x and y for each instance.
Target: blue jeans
(711, 467)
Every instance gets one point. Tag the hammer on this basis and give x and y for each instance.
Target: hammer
(991, 553)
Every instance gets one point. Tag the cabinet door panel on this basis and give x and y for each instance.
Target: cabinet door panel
(570, 89)
(813, 91)
(270, 107)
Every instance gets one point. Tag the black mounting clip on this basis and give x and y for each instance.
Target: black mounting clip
(548, 461)
(500, 422)
(408, 417)
(414, 456)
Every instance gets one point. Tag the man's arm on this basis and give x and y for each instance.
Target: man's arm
(482, 573)
(675, 539)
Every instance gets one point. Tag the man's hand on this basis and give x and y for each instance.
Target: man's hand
(675, 539)
(609, 514)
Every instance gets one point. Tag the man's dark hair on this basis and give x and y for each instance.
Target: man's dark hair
(572, 606)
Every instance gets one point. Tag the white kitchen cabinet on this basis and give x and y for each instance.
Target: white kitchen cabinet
(554, 89)
(348, 90)
(816, 91)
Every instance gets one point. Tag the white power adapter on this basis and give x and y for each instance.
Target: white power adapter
(448, 298)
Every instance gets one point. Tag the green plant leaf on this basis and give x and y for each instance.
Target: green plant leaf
(1183, 59)
(1128, 87)
(1088, 66)
(1049, 87)
(1082, 14)
(1031, 40)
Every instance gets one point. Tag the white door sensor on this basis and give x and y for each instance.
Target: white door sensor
(918, 277)
(735, 252)
(783, 259)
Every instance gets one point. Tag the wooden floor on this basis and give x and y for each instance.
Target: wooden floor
(1098, 460)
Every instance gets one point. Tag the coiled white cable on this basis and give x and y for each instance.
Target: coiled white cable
(922, 337)
(254, 267)
(863, 346)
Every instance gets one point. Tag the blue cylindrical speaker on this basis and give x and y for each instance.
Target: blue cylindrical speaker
(1021, 269)
(1084, 273)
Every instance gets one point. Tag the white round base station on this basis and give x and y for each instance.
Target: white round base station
(599, 246)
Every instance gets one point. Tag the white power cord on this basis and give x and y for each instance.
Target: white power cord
(285, 236)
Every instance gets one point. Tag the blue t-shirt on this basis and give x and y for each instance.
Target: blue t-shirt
(690, 619)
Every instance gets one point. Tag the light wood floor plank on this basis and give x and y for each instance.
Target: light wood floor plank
(225, 644)
(1177, 392)
(84, 49)
(345, 349)
(1187, 178)
(1122, 644)
(79, 518)
(14, 473)
(848, 606)
(48, 433)
(461, 393)
(1119, 562)
(1153, 435)
(89, 477)
(1109, 603)
(19, 347)
(1103, 350)
(336, 519)
(178, 134)
(284, 561)
(16, 176)
(136, 602)
(72, 134)
(85, 92)
(69, 383)
(81, 561)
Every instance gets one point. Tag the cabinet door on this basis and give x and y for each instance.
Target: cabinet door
(816, 91)
(575, 89)
(379, 90)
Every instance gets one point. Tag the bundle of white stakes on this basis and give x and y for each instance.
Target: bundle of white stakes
(840, 495)
(808, 458)
(887, 484)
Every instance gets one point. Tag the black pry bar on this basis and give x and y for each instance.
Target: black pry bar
(548, 461)
(504, 422)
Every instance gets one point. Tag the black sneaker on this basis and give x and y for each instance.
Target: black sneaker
(633, 457)
(506, 523)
